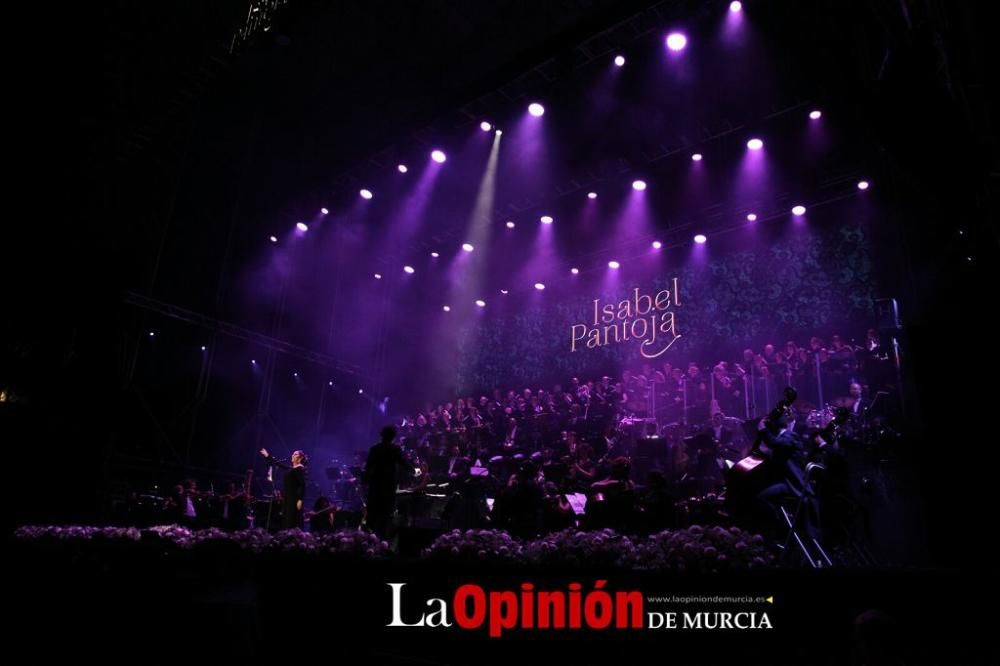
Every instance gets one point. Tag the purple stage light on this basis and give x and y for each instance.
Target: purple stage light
(546, 219)
(657, 245)
(467, 247)
(253, 361)
(614, 264)
(697, 157)
(815, 114)
(438, 156)
(752, 217)
(274, 239)
(378, 276)
(510, 225)
(499, 132)
(203, 347)
(700, 238)
(619, 61)
(402, 168)
(798, 211)
(329, 383)
(536, 109)
(539, 286)
(302, 226)
(676, 41)
(366, 194)
(361, 391)
(736, 6)
(755, 144)
(485, 126)
(435, 255)
(481, 303)
(638, 185)
(408, 269)
(591, 195)
(504, 292)
(862, 184)
(324, 211)
(574, 271)
(446, 308)
(295, 374)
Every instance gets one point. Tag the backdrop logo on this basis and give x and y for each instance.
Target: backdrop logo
(647, 318)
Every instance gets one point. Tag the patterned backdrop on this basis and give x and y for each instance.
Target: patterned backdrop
(815, 282)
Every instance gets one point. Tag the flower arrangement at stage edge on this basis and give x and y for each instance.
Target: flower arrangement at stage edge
(701, 549)
(353, 544)
(694, 549)
(479, 546)
(601, 548)
(76, 532)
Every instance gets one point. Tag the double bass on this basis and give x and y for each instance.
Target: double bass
(749, 476)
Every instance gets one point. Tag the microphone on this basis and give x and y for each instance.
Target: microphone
(279, 460)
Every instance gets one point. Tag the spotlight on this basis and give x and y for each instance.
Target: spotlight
(329, 383)
(696, 157)
(574, 271)
(504, 292)
(700, 238)
(614, 264)
(815, 114)
(361, 391)
(510, 225)
(752, 217)
(638, 185)
(499, 133)
(735, 6)
(378, 276)
(676, 41)
(755, 144)
(467, 247)
(274, 239)
(536, 109)
(446, 308)
(253, 361)
(485, 126)
(302, 226)
(295, 374)
(152, 334)
(863, 185)
(591, 195)
(481, 303)
(620, 61)
(657, 245)
(408, 269)
(366, 194)
(539, 286)
(402, 168)
(438, 156)
(435, 255)
(798, 211)
(546, 219)
(324, 211)
(203, 347)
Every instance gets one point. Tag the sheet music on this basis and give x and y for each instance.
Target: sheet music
(578, 502)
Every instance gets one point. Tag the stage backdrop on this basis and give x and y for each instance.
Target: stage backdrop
(819, 281)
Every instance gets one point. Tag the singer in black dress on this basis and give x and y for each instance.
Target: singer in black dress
(293, 489)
